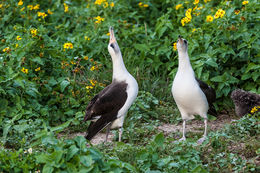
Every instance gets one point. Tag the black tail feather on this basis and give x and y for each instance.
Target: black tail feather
(99, 125)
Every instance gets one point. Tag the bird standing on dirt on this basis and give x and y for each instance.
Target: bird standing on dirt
(110, 106)
(244, 101)
(192, 96)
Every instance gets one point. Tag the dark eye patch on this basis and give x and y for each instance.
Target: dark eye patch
(112, 45)
(185, 42)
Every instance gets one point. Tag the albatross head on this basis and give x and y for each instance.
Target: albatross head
(182, 45)
(113, 47)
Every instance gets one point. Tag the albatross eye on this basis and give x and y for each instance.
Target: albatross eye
(185, 42)
(112, 45)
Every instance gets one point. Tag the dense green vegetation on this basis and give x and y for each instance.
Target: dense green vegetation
(54, 59)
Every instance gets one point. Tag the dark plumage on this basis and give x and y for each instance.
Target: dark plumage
(244, 101)
(105, 106)
(210, 95)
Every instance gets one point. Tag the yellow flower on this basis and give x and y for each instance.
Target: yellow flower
(177, 7)
(7, 49)
(207, 1)
(108, 34)
(145, 5)
(22, 9)
(245, 2)
(237, 12)
(99, 19)
(140, 4)
(86, 38)
(18, 38)
(20, 3)
(85, 58)
(253, 110)
(193, 30)
(34, 32)
(93, 82)
(66, 7)
(30, 7)
(42, 14)
(38, 69)
(92, 68)
(89, 87)
(175, 46)
(196, 1)
(16, 45)
(36, 7)
(112, 4)
(105, 5)
(72, 62)
(216, 16)
(209, 18)
(99, 2)
(1, 5)
(24, 70)
(220, 13)
(49, 11)
(68, 46)
(183, 22)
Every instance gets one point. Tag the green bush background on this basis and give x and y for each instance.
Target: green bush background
(224, 53)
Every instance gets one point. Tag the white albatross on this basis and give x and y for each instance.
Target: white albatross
(192, 96)
(110, 106)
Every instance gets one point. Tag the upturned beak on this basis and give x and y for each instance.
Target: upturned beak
(112, 36)
(180, 40)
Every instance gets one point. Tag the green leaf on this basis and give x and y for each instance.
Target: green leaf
(212, 63)
(63, 85)
(47, 169)
(142, 47)
(38, 60)
(159, 139)
(61, 127)
(81, 141)
(71, 152)
(86, 160)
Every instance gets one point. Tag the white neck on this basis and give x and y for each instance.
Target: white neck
(119, 69)
(184, 62)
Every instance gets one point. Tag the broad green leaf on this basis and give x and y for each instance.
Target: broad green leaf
(47, 169)
(38, 60)
(63, 85)
(71, 152)
(159, 139)
(86, 160)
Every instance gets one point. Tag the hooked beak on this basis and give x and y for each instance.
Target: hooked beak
(112, 36)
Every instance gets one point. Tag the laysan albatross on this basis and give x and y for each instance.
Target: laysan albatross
(192, 96)
(110, 106)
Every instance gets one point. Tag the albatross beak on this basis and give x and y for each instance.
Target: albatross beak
(180, 40)
(112, 36)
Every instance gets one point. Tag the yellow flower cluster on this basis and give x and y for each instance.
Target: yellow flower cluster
(34, 32)
(175, 46)
(143, 5)
(18, 38)
(20, 3)
(105, 3)
(196, 2)
(87, 38)
(36, 7)
(187, 17)
(207, 1)
(68, 46)
(209, 18)
(7, 49)
(85, 57)
(1, 5)
(93, 83)
(220, 13)
(38, 69)
(178, 6)
(245, 2)
(254, 109)
(42, 14)
(92, 68)
(24, 70)
(66, 7)
(99, 19)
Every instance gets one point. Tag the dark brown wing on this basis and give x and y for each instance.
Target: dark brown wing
(111, 99)
(105, 105)
(210, 95)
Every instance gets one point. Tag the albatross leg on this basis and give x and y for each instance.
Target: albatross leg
(201, 140)
(108, 130)
(120, 133)
(183, 131)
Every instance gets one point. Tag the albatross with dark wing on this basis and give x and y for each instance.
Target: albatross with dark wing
(110, 106)
(192, 96)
